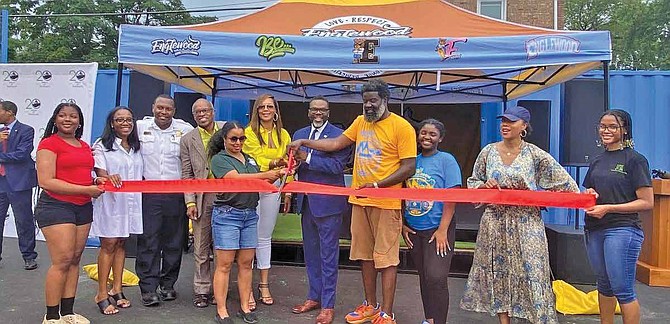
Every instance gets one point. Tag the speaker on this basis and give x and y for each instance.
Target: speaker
(143, 90)
(540, 117)
(584, 103)
(567, 255)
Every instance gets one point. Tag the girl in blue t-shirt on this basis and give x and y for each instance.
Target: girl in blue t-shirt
(429, 230)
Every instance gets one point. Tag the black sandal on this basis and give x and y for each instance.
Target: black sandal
(249, 318)
(119, 297)
(104, 304)
(265, 300)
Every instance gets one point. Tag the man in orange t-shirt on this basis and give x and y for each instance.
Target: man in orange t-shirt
(384, 158)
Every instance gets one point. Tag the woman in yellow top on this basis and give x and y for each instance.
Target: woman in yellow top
(266, 143)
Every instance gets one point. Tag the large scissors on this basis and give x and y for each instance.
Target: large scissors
(289, 169)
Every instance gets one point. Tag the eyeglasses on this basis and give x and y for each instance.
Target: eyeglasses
(202, 111)
(319, 110)
(123, 120)
(235, 139)
(268, 107)
(610, 128)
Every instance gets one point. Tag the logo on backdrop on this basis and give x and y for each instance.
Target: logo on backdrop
(43, 78)
(77, 78)
(364, 50)
(188, 46)
(447, 49)
(33, 106)
(270, 47)
(9, 78)
(378, 28)
(551, 44)
(69, 100)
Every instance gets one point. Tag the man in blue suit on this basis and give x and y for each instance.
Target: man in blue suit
(321, 214)
(17, 180)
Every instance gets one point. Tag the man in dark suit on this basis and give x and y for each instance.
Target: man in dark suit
(321, 214)
(17, 180)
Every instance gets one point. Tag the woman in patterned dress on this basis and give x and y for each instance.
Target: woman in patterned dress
(510, 274)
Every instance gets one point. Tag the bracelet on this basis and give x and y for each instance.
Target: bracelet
(95, 180)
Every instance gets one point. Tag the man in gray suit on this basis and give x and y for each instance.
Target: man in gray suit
(195, 165)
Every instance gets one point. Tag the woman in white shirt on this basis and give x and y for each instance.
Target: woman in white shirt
(116, 215)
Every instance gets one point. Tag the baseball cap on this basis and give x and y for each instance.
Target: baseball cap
(516, 113)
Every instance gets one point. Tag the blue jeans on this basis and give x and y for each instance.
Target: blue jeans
(613, 254)
(233, 228)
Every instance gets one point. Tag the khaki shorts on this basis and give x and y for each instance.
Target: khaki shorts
(375, 235)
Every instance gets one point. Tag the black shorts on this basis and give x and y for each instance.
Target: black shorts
(50, 211)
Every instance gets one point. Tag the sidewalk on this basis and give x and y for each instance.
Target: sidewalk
(21, 293)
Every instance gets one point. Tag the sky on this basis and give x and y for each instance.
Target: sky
(225, 15)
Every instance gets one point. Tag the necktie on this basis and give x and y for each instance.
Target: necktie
(4, 150)
(312, 136)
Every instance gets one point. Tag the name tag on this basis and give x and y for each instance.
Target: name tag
(252, 162)
(147, 136)
(176, 137)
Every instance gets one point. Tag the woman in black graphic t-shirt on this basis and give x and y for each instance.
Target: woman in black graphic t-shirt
(621, 181)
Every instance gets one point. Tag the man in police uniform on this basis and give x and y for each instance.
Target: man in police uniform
(160, 247)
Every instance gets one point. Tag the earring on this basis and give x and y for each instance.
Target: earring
(79, 126)
(524, 133)
(275, 117)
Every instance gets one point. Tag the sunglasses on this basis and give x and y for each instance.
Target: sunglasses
(268, 107)
(235, 139)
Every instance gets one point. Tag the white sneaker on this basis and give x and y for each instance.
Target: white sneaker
(53, 321)
(75, 319)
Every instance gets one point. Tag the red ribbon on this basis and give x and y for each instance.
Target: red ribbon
(486, 196)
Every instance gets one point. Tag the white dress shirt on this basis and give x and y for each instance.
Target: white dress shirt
(316, 137)
(160, 148)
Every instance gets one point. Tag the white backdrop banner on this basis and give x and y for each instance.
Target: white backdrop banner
(37, 89)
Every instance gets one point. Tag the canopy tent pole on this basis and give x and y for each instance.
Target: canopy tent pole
(504, 96)
(119, 82)
(606, 84)
(214, 90)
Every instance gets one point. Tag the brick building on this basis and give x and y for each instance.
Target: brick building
(538, 13)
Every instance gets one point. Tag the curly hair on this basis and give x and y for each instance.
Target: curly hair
(218, 141)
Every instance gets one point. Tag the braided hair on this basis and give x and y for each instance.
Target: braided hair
(625, 122)
(51, 128)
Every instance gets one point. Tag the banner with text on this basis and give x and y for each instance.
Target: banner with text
(38, 88)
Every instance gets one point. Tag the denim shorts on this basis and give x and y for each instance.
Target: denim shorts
(233, 228)
(613, 254)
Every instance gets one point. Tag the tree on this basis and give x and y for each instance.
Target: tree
(640, 29)
(83, 38)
